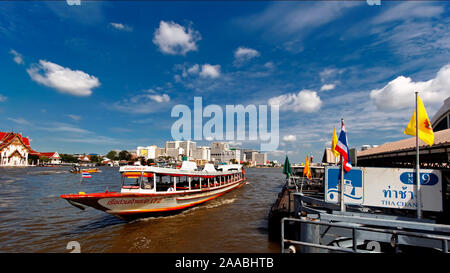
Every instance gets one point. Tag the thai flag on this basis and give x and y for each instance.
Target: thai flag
(86, 175)
(342, 148)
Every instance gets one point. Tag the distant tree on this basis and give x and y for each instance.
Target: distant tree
(44, 159)
(33, 159)
(95, 159)
(234, 161)
(112, 155)
(67, 158)
(150, 161)
(142, 160)
(124, 155)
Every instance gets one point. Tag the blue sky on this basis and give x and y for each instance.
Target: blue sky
(105, 75)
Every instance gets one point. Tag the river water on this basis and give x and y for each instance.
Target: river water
(33, 218)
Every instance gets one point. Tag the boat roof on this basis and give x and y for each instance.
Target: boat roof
(207, 170)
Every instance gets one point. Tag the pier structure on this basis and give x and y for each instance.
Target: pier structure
(322, 228)
(312, 222)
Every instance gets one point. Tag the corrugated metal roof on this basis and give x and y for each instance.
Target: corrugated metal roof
(440, 137)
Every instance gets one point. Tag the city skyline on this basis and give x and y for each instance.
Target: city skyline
(105, 75)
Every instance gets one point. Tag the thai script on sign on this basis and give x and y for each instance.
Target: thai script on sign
(114, 202)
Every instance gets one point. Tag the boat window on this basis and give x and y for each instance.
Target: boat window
(163, 182)
(147, 181)
(182, 183)
(131, 180)
(195, 183)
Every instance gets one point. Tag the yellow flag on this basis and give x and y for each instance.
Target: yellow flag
(425, 131)
(306, 170)
(333, 143)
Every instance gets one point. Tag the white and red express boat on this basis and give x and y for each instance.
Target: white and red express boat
(153, 191)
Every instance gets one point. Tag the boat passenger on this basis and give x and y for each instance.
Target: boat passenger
(148, 185)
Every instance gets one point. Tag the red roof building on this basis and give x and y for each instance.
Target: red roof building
(14, 149)
(53, 157)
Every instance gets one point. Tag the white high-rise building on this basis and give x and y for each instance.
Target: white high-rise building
(202, 153)
(187, 146)
(261, 159)
(149, 152)
(174, 152)
(218, 147)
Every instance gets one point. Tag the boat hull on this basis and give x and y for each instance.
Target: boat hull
(130, 206)
(86, 171)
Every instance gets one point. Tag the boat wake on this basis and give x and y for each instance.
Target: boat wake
(186, 212)
(218, 203)
(48, 172)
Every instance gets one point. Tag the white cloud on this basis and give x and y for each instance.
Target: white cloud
(244, 54)
(210, 71)
(172, 38)
(63, 79)
(330, 74)
(289, 138)
(327, 87)
(17, 56)
(303, 101)
(91, 140)
(67, 129)
(204, 71)
(74, 117)
(235, 143)
(160, 98)
(3, 98)
(193, 69)
(20, 121)
(143, 103)
(289, 24)
(399, 93)
(409, 10)
(120, 26)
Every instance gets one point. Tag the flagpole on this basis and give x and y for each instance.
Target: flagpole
(342, 178)
(418, 195)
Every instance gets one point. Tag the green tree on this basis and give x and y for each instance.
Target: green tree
(44, 159)
(112, 155)
(32, 159)
(67, 158)
(142, 160)
(124, 155)
(95, 159)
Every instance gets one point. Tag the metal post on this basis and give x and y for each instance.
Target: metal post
(342, 185)
(418, 200)
(282, 235)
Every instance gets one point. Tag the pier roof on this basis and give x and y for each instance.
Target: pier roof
(440, 138)
(402, 153)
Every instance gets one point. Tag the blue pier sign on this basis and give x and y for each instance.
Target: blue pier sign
(385, 187)
(353, 185)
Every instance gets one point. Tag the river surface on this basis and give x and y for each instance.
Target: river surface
(33, 218)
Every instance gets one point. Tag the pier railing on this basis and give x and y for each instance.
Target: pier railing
(318, 226)
(359, 234)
